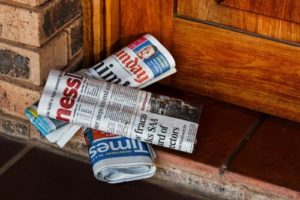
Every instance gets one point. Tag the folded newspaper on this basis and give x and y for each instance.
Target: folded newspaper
(124, 111)
(139, 64)
(118, 159)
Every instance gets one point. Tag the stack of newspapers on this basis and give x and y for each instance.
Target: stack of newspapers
(118, 119)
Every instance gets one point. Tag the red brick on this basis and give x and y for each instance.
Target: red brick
(33, 64)
(271, 158)
(35, 26)
(75, 37)
(14, 98)
(75, 64)
(30, 2)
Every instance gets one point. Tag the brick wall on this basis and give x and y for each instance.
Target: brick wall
(35, 36)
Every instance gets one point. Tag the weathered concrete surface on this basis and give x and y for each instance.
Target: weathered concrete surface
(14, 127)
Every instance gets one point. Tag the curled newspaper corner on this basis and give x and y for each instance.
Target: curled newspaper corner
(125, 111)
(118, 159)
(55, 131)
(139, 64)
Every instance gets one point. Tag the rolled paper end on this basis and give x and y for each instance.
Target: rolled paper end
(118, 159)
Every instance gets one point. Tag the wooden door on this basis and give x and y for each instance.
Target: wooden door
(241, 51)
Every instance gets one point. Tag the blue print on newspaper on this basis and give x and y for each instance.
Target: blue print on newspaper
(115, 147)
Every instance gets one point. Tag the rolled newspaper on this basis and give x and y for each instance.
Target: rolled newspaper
(118, 159)
(124, 111)
(139, 64)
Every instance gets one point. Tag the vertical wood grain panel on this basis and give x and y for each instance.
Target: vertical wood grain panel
(112, 26)
(98, 30)
(93, 31)
(146, 16)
